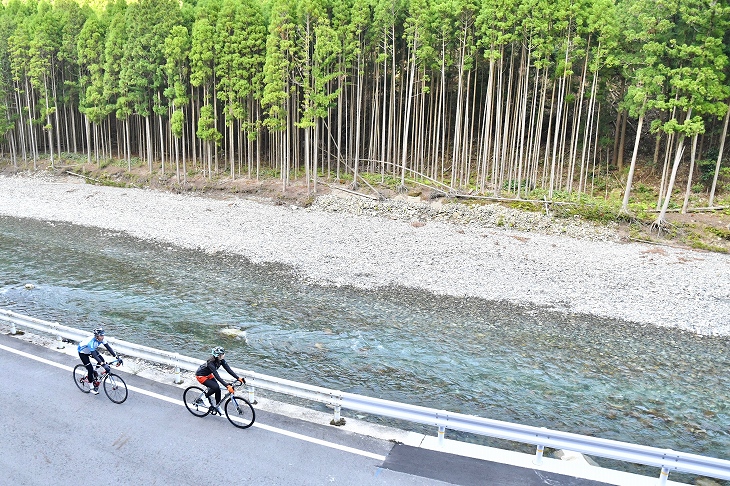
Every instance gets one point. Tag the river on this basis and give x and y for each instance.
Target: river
(607, 378)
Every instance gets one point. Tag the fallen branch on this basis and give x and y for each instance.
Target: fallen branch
(511, 199)
(349, 191)
(81, 175)
(691, 210)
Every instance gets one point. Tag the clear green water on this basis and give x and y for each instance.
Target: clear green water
(577, 373)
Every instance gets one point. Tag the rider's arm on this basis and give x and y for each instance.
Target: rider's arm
(217, 376)
(97, 356)
(228, 369)
(108, 346)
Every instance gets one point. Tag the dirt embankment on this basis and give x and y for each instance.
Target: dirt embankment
(702, 230)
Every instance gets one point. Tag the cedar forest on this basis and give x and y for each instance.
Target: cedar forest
(508, 98)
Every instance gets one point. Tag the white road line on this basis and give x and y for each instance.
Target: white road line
(175, 401)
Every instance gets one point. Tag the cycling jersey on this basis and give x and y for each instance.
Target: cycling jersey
(211, 366)
(89, 346)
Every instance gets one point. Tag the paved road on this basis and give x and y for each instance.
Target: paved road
(50, 433)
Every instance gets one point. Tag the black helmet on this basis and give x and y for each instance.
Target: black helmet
(218, 351)
(99, 331)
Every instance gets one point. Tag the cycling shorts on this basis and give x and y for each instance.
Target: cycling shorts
(203, 379)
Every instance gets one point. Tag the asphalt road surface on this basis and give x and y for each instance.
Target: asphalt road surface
(52, 434)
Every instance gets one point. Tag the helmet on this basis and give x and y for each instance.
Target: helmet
(99, 331)
(218, 351)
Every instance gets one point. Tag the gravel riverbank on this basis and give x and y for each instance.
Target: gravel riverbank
(488, 252)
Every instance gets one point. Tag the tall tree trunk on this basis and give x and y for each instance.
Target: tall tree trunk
(31, 132)
(661, 219)
(620, 155)
(407, 122)
(719, 158)
(560, 102)
(88, 138)
(689, 175)
(148, 135)
(632, 167)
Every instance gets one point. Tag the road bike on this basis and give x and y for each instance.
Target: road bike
(239, 411)
(113, 384)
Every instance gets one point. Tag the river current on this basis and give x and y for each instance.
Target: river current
(607, 378)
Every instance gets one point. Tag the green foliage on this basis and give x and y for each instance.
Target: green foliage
(373, 179)
(270, 173)
(148, 24)
(600, 213)
(695, 241)
(240, 49)
(176, 123)
(589, 208)
(512, 185)
(721, 233)
(202, 51)
(206, 126)
(527, 206)
(281, 50)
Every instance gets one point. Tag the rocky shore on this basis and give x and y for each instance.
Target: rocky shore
(487, 251)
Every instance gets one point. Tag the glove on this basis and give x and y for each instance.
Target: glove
(119, 362)
(242, 380)
(230, 389)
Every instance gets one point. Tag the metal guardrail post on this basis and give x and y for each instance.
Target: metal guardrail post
(663, 476)
(538, 455)
(441, 434)
(335, 400)
(59, 339)
(338, 420)
(539, 452)
(251, 394)
(178, 377)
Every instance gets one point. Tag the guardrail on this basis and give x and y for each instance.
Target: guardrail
(665, 459)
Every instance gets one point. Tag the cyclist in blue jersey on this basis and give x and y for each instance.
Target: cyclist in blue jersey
(88, 349)
(207, 374)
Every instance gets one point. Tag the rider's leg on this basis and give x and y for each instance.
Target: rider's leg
(86, 360)
(213, 388)
(95, 354)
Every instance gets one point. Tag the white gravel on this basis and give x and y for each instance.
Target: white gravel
(355, 241)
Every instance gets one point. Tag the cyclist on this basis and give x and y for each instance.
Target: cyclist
(88, 349)
(207, 375)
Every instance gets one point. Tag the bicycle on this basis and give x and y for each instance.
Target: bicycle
(113, 384)
(239, 411)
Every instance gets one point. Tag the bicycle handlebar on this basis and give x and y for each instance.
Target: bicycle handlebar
(235, 384)
(117, 360)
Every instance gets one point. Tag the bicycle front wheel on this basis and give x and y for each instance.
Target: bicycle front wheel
(81, 378)
(115, 388)
(194, 398)
(240, 412)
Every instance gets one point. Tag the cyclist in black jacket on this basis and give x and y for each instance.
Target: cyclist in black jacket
(207, 375)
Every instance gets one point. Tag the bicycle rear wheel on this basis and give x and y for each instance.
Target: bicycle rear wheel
(194, 398)
(81, 378)
(240, 412)
(115, 388)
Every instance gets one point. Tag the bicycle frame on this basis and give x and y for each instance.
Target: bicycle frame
(96, 366)
(114, 386)
(219, 402)
(237, 409)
